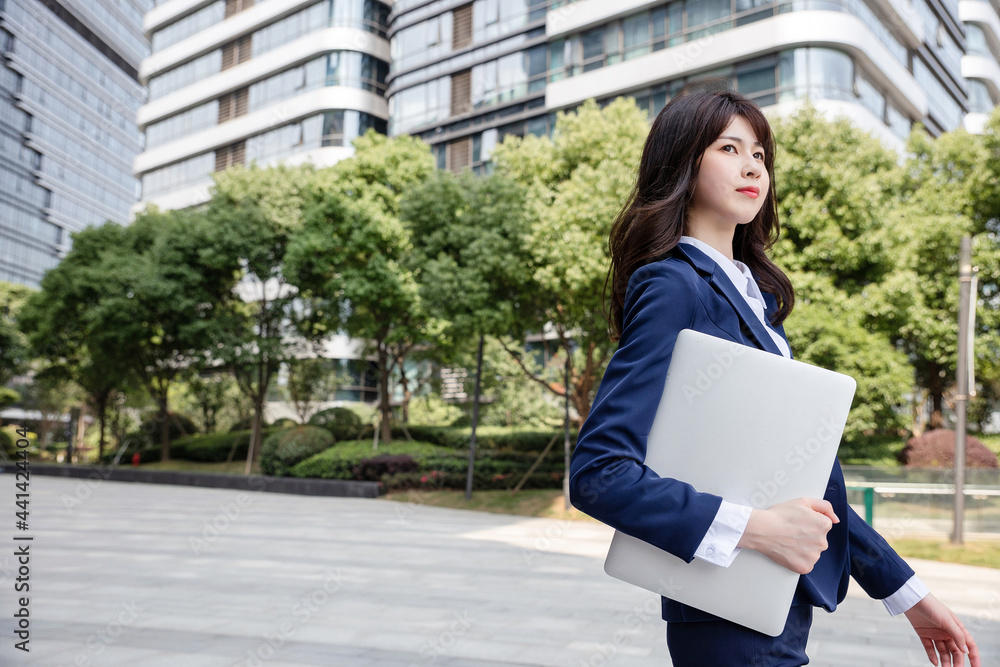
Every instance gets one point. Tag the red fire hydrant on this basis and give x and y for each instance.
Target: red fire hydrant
(135, 459)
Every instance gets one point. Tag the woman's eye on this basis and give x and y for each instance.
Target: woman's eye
(759, 155)
(729, 146)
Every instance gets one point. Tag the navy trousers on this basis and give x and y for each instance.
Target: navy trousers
(721, 643)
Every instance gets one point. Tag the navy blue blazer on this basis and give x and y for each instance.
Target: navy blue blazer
(608, 480)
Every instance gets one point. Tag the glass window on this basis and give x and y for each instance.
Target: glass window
(756, 80)
(704, 12)
(675, 22)
(635, 34)
(189, 25)
(975, 40)
(557, 59)
(537, 67)
(979, 97)
(831, 74)
(593, 49)
(898, 122)
(871, 98)
(943, 107)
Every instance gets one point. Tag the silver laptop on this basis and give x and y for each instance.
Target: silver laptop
(755, 428)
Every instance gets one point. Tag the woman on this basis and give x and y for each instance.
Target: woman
(689, 251)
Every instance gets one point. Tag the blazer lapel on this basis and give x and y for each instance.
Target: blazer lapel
(752, 326)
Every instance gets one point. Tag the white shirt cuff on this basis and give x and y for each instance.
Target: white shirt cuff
(719, 544)
(909, 594)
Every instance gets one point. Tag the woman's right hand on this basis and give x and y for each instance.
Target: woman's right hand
(792, 533)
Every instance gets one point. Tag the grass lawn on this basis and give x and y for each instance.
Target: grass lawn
(234, 468)
(984, 554)
(547, 503)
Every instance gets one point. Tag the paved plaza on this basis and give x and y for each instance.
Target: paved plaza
(147, 575)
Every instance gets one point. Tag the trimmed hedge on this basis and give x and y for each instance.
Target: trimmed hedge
(498, 438)
(206, 448)
(437, 466)
(7, 443)
(373, 469)
(338, 462)
(214, 447)
(342, 423)
(936, 449)
(150, 427)
(285, 448)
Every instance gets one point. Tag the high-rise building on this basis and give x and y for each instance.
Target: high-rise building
(466, 75)
(69, 92)
(232, 81)
(235, 81)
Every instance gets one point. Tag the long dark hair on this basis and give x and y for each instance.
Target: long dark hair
(652, 220)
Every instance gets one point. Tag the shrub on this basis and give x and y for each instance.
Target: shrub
(342, 423)
(214, 447)
(150, 427)
(372, 470)
(499, 438)
(7, 443)
(285, 448)
(338, 462)
(242, 425)
(284, 422)
(936, 449)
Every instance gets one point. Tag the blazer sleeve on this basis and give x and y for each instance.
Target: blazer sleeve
(608, 479)
(877, 568)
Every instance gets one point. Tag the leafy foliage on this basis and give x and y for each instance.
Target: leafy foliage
(283, 449)
(936, 449)
(342, 423)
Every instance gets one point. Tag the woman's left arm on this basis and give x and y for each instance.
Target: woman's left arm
(881, 572)
(942, 633)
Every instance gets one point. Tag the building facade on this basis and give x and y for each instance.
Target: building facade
(466, 74)
(69, 93)
(235, 81)
(238, 81)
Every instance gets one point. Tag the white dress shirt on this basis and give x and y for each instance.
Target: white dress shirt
(719, 544)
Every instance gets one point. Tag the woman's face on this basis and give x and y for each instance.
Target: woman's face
(732, 180)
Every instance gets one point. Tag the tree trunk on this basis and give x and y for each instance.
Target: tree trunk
(475, 419)
(405, 382)
(164, 432)
(936, 391)
(384, 407)
(253, 451)
(102, 411)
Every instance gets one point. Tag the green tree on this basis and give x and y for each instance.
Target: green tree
(471, 259)
(14, 351)
(61, 330)
(576, 181)
(843, 257)
(140, 296)
(254, 213)
(349, 260)
(309, 382)
(942, 197)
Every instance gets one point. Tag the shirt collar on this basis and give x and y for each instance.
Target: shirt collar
(738, 272)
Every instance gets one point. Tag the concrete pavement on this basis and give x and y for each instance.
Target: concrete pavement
(145, 575)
